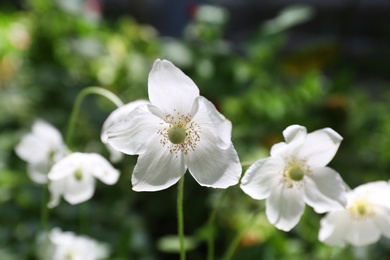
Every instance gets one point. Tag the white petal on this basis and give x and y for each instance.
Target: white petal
(325, 190)
(261, 176)
(38, 172)
(115, 156)
(65, 167)
(363, 232)
(157, 168)
(169, 88)
(221, 126)
(102, 169)
(376, 193)
(320, 147)
(48, 133)
(118, 115)
(382, 220)
(133, 134)
(284, 207)
(334, 227)
(295, 136)
(33, 150)
(212, 166)
(77, 191)
(56, 189)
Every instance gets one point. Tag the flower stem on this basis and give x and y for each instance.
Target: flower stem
(79, 99)
(44, 209)
(180, 218)
(236, 240)
(210, 223)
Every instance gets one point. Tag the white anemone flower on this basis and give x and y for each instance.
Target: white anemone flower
(179, 129)
(117, 116)
(365, 219)
(295, 174)
(60, 245)
(73, 177)
(41, 149)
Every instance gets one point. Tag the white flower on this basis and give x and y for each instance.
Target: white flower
(179, 129)
(295, 174)
(117, 116)
(59, 245)
(74, 177)
(41, 149)
(365, 219)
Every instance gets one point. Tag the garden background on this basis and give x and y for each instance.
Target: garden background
(296, 64)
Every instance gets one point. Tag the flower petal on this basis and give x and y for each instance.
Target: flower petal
(207, 114)
(32, 150)
(133, 134)
(320, 147)
(212, 166)
(382, 220)
(78, 190)
(284, 207)
(363, 232)
(170, 89)
(56, 189)
(38, 172)
(295, 136)
(102, 169)
(157, 168)
(377, 193)
(334, 227)
(261, 176)
(324, 190)
(64, 167)
(118, 115)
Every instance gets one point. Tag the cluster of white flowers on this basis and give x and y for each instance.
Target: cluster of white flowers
(59, 245)
(177, 129)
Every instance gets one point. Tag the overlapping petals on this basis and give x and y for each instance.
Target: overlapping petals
(295, 174)
(365, 219)
(73, 177)
(205, 149)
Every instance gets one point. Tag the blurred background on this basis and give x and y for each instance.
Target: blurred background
(264, 64)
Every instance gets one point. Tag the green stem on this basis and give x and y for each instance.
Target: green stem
(44, 209)
(180, 218)
(236, 240)
(79, 99)
(210, 223)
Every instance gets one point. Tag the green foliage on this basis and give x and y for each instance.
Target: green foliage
(48, 53)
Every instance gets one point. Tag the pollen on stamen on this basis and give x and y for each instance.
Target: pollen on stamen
(172, 136)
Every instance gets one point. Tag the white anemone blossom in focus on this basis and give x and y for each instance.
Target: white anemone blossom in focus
(41, 149)
(179, 129)
(73, 177)
(296, 174)
(60, 245)
(365, 219)
(117, 116)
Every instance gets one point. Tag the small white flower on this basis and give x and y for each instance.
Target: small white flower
(365, 219)
(41, 149)
(295, 174)
(59, 245)
(179, 129)
(117, 116)
(74, 177)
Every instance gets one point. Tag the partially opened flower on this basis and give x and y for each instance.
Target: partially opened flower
(179, 129)
(365, 219)
(295, 174)
(60, 245)
(115, 117)
(73, 177)
(41, 149)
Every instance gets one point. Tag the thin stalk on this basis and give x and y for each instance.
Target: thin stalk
(180, 218)
(44, 209)
(210, 223)
(76, 108)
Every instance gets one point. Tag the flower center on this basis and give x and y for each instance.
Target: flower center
(361, 209)
(181, 134)
(177, 134)
(78, 175)
(296, 173)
